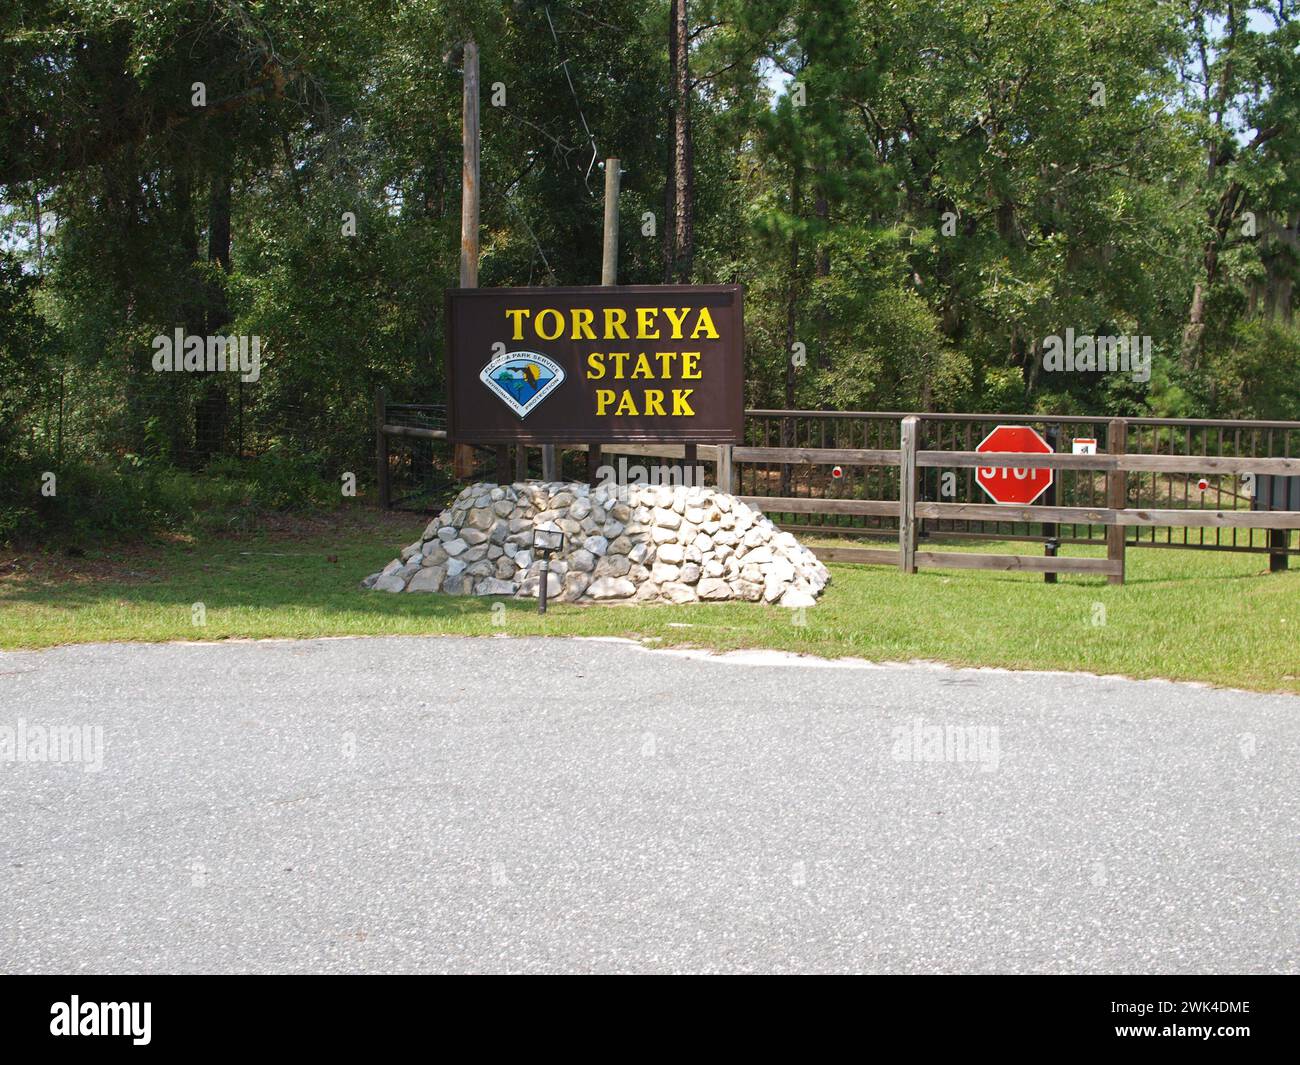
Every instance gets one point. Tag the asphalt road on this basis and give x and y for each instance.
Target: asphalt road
(497, 804)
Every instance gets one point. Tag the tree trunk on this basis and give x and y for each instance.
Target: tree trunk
(1277, 287)
(192, 316)
(123, 201)
(822, 208)
(1221, 218)
(669, 227)
(212, 414)
(679, 225)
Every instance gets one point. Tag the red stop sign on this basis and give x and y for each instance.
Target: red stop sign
(1006, 484)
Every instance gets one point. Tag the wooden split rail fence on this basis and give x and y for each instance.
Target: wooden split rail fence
(909, 509)
(1116, 516)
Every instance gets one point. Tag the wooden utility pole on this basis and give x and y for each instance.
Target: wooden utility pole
(469, 172)
(463, 454)
(609, 261)
(608, 271)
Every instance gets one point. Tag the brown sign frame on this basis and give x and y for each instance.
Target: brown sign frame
(723, 423)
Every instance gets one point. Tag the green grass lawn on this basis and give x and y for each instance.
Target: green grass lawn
(1185, 615)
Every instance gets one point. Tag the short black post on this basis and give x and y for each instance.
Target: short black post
(545, 582)
(547, 539)
(1277, 547)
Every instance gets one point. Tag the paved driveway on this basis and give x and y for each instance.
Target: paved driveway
(577, 805)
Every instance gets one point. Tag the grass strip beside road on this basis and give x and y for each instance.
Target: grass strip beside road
(1185, 615)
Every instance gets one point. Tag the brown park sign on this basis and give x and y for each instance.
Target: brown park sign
(595, 365)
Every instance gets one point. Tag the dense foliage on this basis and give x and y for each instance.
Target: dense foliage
(915, 191)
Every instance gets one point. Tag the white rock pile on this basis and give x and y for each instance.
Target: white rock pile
(636, 543)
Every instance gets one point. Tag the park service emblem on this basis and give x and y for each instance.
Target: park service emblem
(522, 379)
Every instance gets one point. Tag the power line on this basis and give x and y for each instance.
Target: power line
(511, 203)
(595, 152)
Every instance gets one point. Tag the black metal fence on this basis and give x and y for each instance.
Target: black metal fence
(413, 459)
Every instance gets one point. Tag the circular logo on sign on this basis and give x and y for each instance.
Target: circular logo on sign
(522, 379)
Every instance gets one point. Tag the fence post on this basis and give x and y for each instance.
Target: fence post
(907, 496)
(1116, 496)
(1051, 529)
(462, 461)
(1276, 493)
(724, 468)
(549, 471)
(787, 440)
(521, 462)
(381, 446)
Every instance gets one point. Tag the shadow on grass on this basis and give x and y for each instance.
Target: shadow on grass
(1186, 610)
(233, 591)
(302, 591)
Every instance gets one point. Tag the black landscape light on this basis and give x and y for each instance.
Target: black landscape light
(547, 539)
